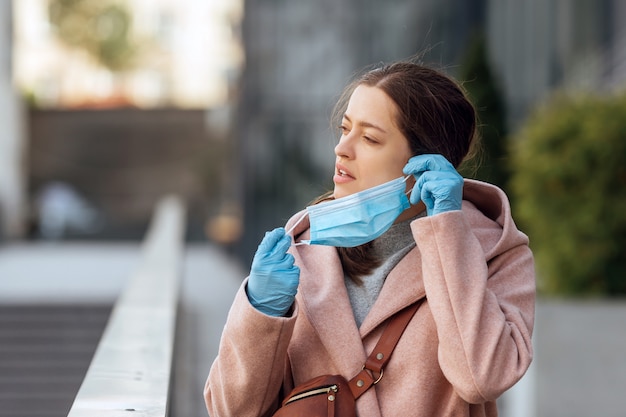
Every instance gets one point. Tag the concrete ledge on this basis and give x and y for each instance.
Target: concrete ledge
(131, 369)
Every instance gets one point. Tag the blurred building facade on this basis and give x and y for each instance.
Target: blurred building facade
(12, 158)
(538, 46)
(298, 57)
(118, 140)
(97, 174)
(185, 53)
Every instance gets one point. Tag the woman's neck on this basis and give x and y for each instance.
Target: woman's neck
(411, 212)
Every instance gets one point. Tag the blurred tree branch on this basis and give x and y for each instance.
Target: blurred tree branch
(99, 27)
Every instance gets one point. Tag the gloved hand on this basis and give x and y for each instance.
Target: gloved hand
(274, 278)
(437, 183)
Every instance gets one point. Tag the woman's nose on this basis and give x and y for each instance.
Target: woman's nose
(344, 148)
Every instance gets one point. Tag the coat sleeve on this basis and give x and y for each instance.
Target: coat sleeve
(246, 377)
(480, 284)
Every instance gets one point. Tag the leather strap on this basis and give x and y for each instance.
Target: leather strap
(372, 371)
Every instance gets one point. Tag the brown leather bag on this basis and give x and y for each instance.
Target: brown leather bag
(333, 395)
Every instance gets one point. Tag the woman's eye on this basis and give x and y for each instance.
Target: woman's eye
(344, 130)
(370, 139)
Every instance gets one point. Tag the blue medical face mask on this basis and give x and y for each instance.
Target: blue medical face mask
(357, 218)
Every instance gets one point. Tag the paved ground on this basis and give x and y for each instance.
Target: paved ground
(65, 272)
(580, 358)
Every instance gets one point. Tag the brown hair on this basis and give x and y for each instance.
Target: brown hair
(435, 116)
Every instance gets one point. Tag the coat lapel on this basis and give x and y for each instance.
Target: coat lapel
(324, 298)
(403, 287)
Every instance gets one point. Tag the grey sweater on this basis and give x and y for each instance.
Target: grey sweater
(392, 246)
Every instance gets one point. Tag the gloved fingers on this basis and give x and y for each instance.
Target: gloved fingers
(270, 239)
(274, 245)
(276, 262)
(274, 277)
(416, 193)
(282, 245)
(285, 264)
(437, 179)
(421, 193)
(290, 280)
(278, 258)
(427, 162)
(429, 171)
(436, 186)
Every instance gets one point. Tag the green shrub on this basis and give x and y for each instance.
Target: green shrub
(569, 194)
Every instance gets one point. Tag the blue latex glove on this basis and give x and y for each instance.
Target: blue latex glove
(274, 278)
(437, 183)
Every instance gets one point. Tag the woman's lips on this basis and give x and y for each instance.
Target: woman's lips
(342, 176)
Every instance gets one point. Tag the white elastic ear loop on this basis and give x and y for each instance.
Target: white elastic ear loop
(306, 213)
(408, 193)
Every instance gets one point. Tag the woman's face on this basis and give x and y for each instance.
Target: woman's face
(371, 150)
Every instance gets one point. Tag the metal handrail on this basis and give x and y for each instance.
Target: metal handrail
(131, 369)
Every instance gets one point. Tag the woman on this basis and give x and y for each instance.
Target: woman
(308, 310)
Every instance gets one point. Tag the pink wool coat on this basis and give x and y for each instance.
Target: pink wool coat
(468, 343)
